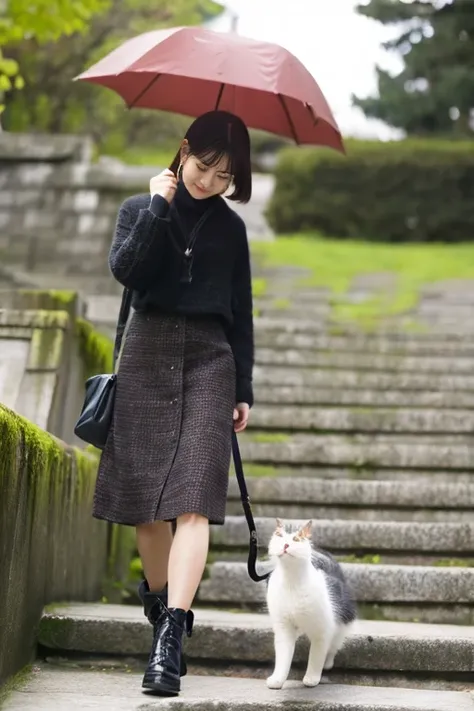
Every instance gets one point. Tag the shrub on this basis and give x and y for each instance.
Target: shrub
(401, 191)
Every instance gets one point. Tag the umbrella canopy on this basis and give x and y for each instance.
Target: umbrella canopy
(191, 70)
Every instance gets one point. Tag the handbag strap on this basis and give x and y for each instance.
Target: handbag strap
(122, 321)
(239, 471)
(244, 495)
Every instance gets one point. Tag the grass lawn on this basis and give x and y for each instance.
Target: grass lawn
(334, 263)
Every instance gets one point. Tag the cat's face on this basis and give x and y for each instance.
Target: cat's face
(293, 545)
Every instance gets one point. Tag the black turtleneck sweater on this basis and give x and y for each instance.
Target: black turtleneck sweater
(147, 255)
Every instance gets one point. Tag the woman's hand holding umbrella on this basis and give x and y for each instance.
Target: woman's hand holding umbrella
(164, 184)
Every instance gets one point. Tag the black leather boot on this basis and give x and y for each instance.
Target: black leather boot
(162, 675)
(149, 599)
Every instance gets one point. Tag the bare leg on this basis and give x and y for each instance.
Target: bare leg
(154, 543)
(285, 640)
(187, 559)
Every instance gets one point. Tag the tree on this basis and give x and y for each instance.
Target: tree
(52, 102)
(39, 21)
(434, 94)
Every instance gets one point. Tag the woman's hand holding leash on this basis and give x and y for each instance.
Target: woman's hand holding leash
(241, 416)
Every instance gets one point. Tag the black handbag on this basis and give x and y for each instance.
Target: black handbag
(94, 423)
(96, 415)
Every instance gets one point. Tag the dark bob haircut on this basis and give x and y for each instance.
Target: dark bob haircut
(217, 134)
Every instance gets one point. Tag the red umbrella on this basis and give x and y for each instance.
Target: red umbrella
(191, 70)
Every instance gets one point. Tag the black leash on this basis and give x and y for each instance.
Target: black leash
(244, 495)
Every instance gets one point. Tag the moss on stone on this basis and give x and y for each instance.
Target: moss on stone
(55, 632)
(46, 349)
(367, 611)
(40, 318)
(368, 559)
(260, 470)
(60, 297)
(454, 563)
(49, 299)
(259, 287)
(44, 455)
(270, 437)
(15, 683)
(97, 351)
(282, 304)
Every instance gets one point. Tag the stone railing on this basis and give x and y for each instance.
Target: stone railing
(47, 351)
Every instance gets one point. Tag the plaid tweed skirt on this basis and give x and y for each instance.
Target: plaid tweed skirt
(169, 446)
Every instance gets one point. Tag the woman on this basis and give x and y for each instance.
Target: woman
(185, 375)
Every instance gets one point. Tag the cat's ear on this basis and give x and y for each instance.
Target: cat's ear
(306, 530)
(280, 526)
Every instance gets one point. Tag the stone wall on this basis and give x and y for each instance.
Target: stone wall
(57, 206)
(50, 547)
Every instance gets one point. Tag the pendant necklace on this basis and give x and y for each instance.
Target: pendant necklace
(187, 266)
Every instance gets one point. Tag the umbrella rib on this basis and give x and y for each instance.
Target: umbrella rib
(314, 118)
(288, 116)
(148, 86)
(219, 96)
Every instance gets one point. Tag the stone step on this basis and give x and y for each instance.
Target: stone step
(339, 419)
(441, 539)
(362, 343)
(298, 358)
(438, 650)
(300, 395)
(348, 499)
(369, 452)
(461, 333)
(319, 313)
(337, 473)
(455, 309)
(361, 379)
(315, 295)
(56, 689)
(397, 592)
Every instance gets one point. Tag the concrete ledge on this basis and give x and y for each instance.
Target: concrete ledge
(362, 361)
(360, 380)
(370, 453)
(31, 148)
(229, 583)
(299, 395)
(361, 419)
(359, 535)
(247, 637)
(361, 343)
(55, 689)
(353, 493)
(395, 334)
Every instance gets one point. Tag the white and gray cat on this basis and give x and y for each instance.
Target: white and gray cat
(307, 594)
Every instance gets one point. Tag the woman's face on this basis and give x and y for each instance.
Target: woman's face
(203, 181)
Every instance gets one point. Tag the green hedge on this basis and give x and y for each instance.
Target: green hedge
(400, 191)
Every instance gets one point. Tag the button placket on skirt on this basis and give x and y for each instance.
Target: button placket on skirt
(176, 337)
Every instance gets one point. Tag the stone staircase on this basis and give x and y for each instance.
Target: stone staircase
(370, 435)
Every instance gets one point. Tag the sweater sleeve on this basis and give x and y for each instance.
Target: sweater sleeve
(138, 243)
(241, 336)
